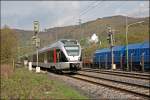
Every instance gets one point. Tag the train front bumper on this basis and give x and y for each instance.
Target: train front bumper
(71, 66)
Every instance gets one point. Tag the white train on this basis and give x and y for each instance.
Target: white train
(64, 55)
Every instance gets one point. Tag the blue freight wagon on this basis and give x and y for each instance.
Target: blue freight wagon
(138, 57)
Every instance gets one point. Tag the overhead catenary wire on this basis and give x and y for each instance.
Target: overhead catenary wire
(87, 9)
(82, 11)
(91, 7)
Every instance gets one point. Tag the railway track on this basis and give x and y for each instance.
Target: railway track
(112, 80)
(120, 73)
(115, 71)
(142, 91)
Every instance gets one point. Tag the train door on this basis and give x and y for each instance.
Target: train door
(58, 54)
(45, 58)
(55, 56)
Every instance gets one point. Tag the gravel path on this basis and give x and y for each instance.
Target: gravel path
(93, 91)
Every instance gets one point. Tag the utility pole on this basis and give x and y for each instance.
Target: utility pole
(36, 41)
(127, 28)
(80, 26)
(111, 40)
(127, 44)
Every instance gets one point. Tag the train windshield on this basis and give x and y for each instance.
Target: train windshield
(72, 50)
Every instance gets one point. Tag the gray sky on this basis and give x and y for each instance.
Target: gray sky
(21, 14)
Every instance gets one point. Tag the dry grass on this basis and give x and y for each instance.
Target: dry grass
(24, 84)
(6, 70)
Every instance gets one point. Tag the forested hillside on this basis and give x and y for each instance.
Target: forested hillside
(136, 33)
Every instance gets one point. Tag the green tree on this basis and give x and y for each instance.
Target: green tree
(8, 44)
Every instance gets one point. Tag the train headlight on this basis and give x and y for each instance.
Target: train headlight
(69, 59)
(78, 58)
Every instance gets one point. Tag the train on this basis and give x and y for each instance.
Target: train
(138, 57)
(61, 56)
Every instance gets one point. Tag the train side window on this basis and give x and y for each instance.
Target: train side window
(41, 57)
(50, 56)
(45, 57)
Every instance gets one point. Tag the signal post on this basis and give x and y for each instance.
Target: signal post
(111, 40)
(36, 42)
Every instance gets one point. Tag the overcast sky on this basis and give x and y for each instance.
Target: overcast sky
(21, 14)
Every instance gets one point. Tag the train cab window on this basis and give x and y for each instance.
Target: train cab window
(72, 50)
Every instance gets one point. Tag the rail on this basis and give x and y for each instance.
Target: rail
(124, 74)
(112, 86)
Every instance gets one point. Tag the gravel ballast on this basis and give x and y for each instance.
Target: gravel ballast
(91, 90)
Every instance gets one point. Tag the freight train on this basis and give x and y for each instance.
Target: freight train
(138, 57)
(61, 56)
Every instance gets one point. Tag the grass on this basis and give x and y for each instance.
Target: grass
(29, 85)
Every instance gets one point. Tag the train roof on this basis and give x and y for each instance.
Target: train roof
(120, 48)
(102, 50)
(138, 45)
(58, 44)
(116, 48)
(145, 45)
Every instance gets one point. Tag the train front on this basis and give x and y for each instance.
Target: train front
(73, 50)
